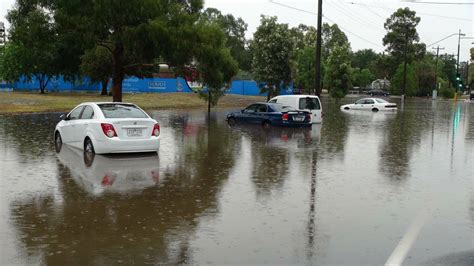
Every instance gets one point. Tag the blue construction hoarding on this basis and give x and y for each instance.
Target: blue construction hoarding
(136, 85)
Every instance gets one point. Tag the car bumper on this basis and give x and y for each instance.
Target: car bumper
(115, 145)
(295, 124)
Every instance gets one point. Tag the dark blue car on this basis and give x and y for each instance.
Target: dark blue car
(270, 114)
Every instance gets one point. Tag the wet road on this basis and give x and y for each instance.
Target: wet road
(360, 189)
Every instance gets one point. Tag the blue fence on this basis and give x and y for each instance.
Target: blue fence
(136, 85)
(250, 87)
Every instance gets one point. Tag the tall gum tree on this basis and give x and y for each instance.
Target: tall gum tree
(272, 48)
(402, 39)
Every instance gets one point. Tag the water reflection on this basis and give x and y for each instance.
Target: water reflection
(402, 136)
(111, 173)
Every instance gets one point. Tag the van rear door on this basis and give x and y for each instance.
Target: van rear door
(313, 105)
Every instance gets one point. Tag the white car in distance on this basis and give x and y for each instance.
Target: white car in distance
(372, 104)
(108, 127)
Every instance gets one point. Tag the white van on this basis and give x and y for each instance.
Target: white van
(308, 103)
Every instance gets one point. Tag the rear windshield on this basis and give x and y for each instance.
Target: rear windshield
(121, 111)
(282, 108)
(309, 103)
(380, 101)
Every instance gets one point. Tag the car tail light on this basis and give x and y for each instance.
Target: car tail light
(322, 114)
(284, 117)
(308, 117)
(108, 130)
(156, 130)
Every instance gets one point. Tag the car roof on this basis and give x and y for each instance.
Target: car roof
(97, 103)
(296, 96)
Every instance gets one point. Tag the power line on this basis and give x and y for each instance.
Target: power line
(294, 8)
(356, 35)
(330, 20)
(426, 14)
(352, 16)
(442, 39)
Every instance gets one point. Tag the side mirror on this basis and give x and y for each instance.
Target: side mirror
(63, 117)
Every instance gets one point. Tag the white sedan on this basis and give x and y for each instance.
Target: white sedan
(372, 104)
(108, 127)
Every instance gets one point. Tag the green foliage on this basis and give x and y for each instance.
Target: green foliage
(338, 73)
(332, 38)
(98, 64)
(425, 74)
(402, 36)
(362, 77)
(234, 30)
(272, 49)
(214, 62)
(447, 92)
(397, 81)
(448, 68)
(370, 60)
(32, 50)
(133, 32)
(306, 69)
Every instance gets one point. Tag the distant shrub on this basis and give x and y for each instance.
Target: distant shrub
(447, 93)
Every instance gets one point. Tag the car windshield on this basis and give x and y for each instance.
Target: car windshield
(282, 108)
(121, 111)
(380, 101)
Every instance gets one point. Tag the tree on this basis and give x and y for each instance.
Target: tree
(397, 80)
(306, 69)
(402, 39)
(425, 75)
(338, 74)
(234, 30)
(303, 56)
(97, 64)
(133, 32)
(448, 68)
(365, 58)
(362, 77)
(272, 48)
(215, 63)
(32, 51)
(333, 37)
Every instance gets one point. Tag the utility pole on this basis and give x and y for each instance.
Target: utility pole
(436, 68)
(318, 48)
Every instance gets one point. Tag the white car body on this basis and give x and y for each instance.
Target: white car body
(371, 104)
(299, 102)
(87, 120)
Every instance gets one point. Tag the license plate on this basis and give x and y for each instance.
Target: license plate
(298, 118)
(133, 132)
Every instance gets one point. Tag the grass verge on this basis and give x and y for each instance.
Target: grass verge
(30, 102)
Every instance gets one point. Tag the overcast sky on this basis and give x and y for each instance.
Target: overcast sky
(361, 20)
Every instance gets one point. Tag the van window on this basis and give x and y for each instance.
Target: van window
(309, 103)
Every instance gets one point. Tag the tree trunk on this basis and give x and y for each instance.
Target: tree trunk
(105, 82)
(43, 83)
(118, 73)
(209, 101)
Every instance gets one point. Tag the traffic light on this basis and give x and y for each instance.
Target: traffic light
(458, 81)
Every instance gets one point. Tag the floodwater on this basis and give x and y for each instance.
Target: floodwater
(363, 188)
